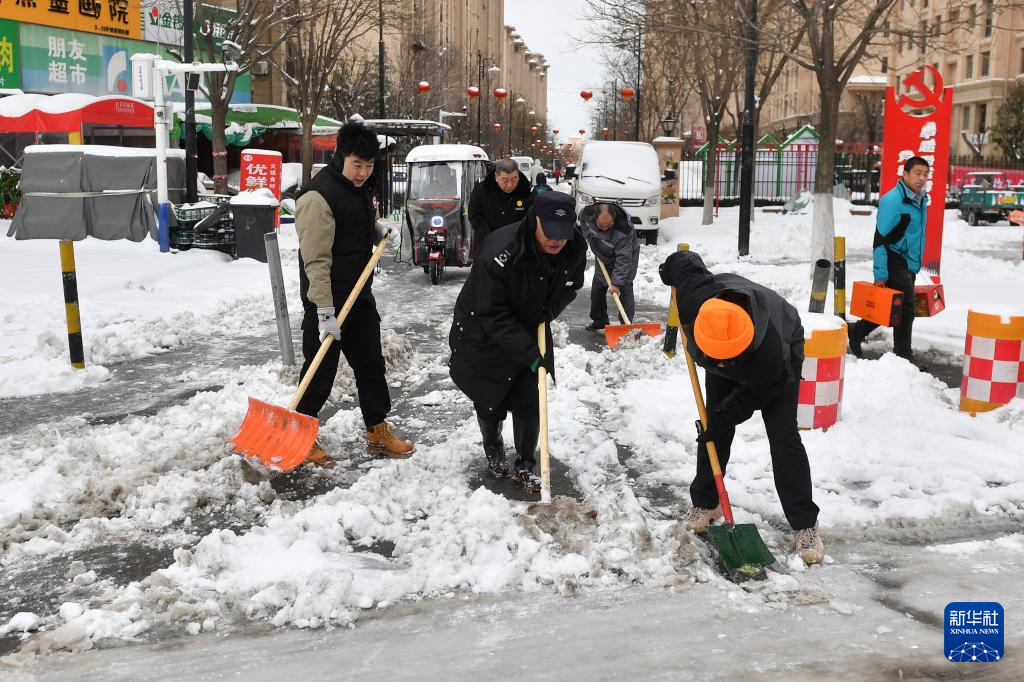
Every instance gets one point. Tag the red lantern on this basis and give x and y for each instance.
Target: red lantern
(473, 91)
(500, 93)
(423, 86)
(586, 95)
(497, 126)
(604, 131)
(555, 131)
(533, 130)
(627, 92)
(582, 131)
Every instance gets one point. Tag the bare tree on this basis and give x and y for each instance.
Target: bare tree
(314, 48)
(256, 30)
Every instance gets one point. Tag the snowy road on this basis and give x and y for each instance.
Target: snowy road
(124, 522)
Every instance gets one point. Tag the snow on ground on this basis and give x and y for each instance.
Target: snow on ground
(902, 462)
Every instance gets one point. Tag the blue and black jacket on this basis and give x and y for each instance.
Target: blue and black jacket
(899, 229)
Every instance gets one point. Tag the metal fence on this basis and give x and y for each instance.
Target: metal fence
(781, 173)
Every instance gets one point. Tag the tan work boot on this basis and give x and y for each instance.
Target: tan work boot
(698, 518)
(381, 440)
(809, 546)
(318, 457)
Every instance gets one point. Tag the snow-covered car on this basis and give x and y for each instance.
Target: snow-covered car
(627, 174)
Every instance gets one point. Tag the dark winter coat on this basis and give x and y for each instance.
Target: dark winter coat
(617, 248)
(775, 357)
(351, 245)
(491, 208)
(510, 290)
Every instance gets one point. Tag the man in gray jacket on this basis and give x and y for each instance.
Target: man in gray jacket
(609, 231)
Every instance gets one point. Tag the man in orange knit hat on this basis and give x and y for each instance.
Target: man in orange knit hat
(750, 342)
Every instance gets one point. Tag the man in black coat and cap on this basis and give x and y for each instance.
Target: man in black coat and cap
(523, 275)
(750, 342)
(503, 197)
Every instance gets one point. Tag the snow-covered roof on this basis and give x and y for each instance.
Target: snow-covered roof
(445, 152)
(19, 105)
(868, 80)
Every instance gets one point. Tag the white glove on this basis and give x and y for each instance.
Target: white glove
(328, 323)
(381, 231)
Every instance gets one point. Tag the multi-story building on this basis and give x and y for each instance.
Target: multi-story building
(979, 52)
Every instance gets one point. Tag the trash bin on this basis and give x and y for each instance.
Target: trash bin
(253, 217)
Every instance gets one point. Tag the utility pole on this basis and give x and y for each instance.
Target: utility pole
(747, 150)
(480, 96)
(380, 61)
(639, 62)
(615, 109)
(191, 191)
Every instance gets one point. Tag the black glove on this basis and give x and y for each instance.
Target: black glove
(716, 428)
(546, 361)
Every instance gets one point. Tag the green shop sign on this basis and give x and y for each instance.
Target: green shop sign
(55, 60)
(10, 66)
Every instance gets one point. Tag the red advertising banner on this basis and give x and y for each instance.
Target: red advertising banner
(261, 168)
(926, 135)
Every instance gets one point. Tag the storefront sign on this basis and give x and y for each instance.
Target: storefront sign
(927, 136)
(10, 55)
(163, 23)
(55, 61)
(121, 18)
(261, 168)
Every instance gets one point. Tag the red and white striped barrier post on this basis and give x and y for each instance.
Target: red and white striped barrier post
(993, 360)
(821, 381)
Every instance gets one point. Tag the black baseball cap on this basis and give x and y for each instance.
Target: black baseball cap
(557, 213)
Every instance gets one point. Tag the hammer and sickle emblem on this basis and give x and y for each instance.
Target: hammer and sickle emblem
(929, 97)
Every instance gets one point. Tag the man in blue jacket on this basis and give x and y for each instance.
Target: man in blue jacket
(898, 252)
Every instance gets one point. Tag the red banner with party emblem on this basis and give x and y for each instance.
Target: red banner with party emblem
(917, 123)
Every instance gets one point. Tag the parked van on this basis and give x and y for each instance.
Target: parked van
(524, 163)
(624, 173)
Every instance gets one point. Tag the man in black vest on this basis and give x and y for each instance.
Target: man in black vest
(524, 274)
(335, 218)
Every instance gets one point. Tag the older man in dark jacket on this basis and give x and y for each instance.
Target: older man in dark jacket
(523, 275)
(503, 197)
(750, 342)
(609, 231)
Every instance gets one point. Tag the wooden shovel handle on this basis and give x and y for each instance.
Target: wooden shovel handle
(716, 468)
(542, 389)
(608, 279)
(349, 302)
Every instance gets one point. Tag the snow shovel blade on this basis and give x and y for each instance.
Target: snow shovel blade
(613, 333)
(276, 437)
(740, 547)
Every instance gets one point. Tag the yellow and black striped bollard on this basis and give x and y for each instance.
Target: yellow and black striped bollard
(672, 326)
(67, 268)
(839, 278)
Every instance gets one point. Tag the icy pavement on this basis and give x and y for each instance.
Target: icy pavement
(124, 520)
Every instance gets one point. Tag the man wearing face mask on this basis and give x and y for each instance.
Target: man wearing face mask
(524, 274)
(898, 252)
(336, 222)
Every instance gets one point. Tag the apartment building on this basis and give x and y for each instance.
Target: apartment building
(979, 51)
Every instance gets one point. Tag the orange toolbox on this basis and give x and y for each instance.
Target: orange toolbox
(880, 305)
(931, 299)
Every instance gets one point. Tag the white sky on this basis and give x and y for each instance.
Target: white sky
(548, 27)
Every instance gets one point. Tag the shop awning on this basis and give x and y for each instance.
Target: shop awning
(70, 111)
(246, 121)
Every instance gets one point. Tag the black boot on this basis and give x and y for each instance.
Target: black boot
(494, 448)
(856, 338)
(526, 432)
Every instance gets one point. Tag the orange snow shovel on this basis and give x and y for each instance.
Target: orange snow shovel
(278, 437)
(613, 333)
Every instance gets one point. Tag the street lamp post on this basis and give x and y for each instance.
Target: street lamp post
(380, 60)
(747, 150)
(639, 69)
(494, 68)
(513, 100)
(668, 124)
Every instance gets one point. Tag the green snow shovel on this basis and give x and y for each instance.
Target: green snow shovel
(739, 546)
